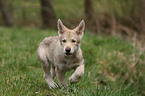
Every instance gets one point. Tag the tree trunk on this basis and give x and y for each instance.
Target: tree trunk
(89, 11)
(6, 14)
(142, 16)
(48, 14)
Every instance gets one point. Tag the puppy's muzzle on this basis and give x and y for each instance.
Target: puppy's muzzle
(67, 51)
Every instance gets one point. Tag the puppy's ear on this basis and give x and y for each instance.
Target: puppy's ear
(80, 29)
(60, 27)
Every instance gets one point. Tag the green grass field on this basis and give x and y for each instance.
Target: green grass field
(109, 69)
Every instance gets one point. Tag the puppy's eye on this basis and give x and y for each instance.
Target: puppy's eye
(63, 41)
(74, 41)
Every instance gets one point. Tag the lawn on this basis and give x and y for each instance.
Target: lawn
(108, 66)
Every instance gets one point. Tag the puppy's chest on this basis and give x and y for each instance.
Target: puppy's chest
(68, 64)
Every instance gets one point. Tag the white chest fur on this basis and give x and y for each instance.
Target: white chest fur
(68, 64)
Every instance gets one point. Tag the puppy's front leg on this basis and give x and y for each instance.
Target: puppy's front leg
(60, 76)
(77, 74)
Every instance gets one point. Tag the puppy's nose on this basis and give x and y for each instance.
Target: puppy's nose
(67, 49)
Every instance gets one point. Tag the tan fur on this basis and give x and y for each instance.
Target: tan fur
(54, 58)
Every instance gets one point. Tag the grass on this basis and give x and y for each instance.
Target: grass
(107, 63)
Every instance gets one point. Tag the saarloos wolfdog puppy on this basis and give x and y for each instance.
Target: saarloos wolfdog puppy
(62, 53)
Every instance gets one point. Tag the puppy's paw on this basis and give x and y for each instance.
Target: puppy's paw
(73, 80)
(53, 86)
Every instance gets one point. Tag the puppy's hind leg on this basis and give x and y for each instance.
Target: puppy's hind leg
(53, 74)
(47, 74)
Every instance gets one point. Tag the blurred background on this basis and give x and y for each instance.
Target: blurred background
(121, 17)
(110, 61)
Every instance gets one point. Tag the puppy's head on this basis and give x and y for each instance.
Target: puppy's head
(70, 39)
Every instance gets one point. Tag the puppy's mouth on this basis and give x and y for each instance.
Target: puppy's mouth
(68, 54)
